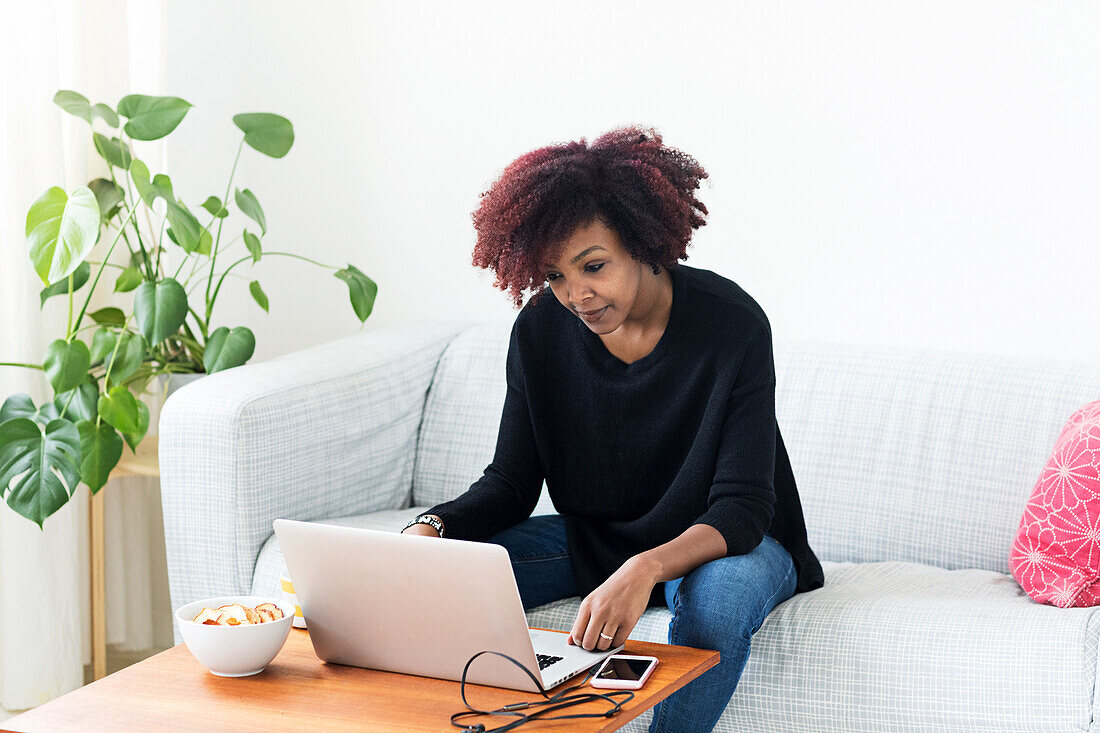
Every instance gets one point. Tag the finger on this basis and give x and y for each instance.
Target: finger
(620, 636)
(576, 634)
(605, 643)
(592, 633)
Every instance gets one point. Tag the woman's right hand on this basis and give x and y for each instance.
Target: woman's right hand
(426, 530)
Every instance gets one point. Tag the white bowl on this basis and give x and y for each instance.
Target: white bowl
(234, 651)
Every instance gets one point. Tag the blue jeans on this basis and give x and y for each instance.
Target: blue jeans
(719, 605)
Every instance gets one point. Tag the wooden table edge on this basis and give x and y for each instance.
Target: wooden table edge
(39, 718)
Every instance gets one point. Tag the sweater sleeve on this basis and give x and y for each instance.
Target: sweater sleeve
(509, 489)
(741, 502)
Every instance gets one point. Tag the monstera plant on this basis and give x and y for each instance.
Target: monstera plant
(106, 358)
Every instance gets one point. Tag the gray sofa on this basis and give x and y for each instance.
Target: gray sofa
(913, 466)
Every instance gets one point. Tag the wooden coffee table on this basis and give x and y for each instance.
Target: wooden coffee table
(297, 691)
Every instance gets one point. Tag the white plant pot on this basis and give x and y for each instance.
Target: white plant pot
(160, 388)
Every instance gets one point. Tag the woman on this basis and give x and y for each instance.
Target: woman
(643, 392)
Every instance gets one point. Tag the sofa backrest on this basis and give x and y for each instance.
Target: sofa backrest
(899, 454)
(458, 433)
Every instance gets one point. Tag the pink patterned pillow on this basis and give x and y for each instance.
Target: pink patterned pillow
(1056, 555)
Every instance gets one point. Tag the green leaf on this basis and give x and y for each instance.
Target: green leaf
(61, 231)
(106, 114)
(130, 354)
(214, 205)
(268, 133)
(149, 191)
(100, 449)
(362, 289)
(77, 104)
(61, 287)
(119, 408)
(47, 411)
(185, 228)
(21, 405)
(114, 151)
(128, 279)
(139, 174)
(247, 202)
(66, 363)
(82, 406)
(18, 405)
(162, 184)
(103, 342)
(109, 316)
(226, 349)
(35, 452)
(253, 243)
(151, 118)
(206, 242)
(74, 103)
(132, 439)
(109, 195)
(128, 357)
(258, 293)
(159, 309)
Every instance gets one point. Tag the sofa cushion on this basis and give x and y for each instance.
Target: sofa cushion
(898, 646)
(458, 433)
(1056, 555)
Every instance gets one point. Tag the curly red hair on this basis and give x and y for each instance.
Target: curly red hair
(639, 188)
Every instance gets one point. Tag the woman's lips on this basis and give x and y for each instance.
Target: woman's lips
(595, 316)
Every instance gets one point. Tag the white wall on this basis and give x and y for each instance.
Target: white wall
(907, 173)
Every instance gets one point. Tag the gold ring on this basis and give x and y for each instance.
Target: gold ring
(609, 638)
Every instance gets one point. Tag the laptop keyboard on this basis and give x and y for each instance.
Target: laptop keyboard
(545, 660)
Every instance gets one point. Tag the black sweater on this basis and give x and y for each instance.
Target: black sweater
(634, 454)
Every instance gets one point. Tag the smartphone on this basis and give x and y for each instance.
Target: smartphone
(624, 672)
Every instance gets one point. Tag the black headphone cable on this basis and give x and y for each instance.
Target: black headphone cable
(557, 702)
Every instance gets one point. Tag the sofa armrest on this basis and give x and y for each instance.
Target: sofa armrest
(328, 431)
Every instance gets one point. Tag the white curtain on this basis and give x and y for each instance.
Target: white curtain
(104, 50)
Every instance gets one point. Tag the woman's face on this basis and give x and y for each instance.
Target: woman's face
(594, 272)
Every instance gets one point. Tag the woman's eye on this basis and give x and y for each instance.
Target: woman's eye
(591, 268)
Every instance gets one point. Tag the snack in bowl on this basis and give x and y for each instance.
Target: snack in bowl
(234, 614)
(235, 636)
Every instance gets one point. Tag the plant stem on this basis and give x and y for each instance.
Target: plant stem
(69, 326)
(100, 270)
(131, 210)
(163, 369)
(202, 324)
(194, 269)
(283, 254)
(160, 243)
(186, 257)
(140, 247)
(214, 256)
(133, 222)
(199, 282)
(20, 364)
(111, 170)
(111, 362)
(69, 401)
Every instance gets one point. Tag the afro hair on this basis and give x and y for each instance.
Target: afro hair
(640, 189)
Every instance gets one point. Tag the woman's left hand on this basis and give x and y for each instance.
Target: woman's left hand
(614, 607)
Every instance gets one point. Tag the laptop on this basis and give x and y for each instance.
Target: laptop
(421, 605)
